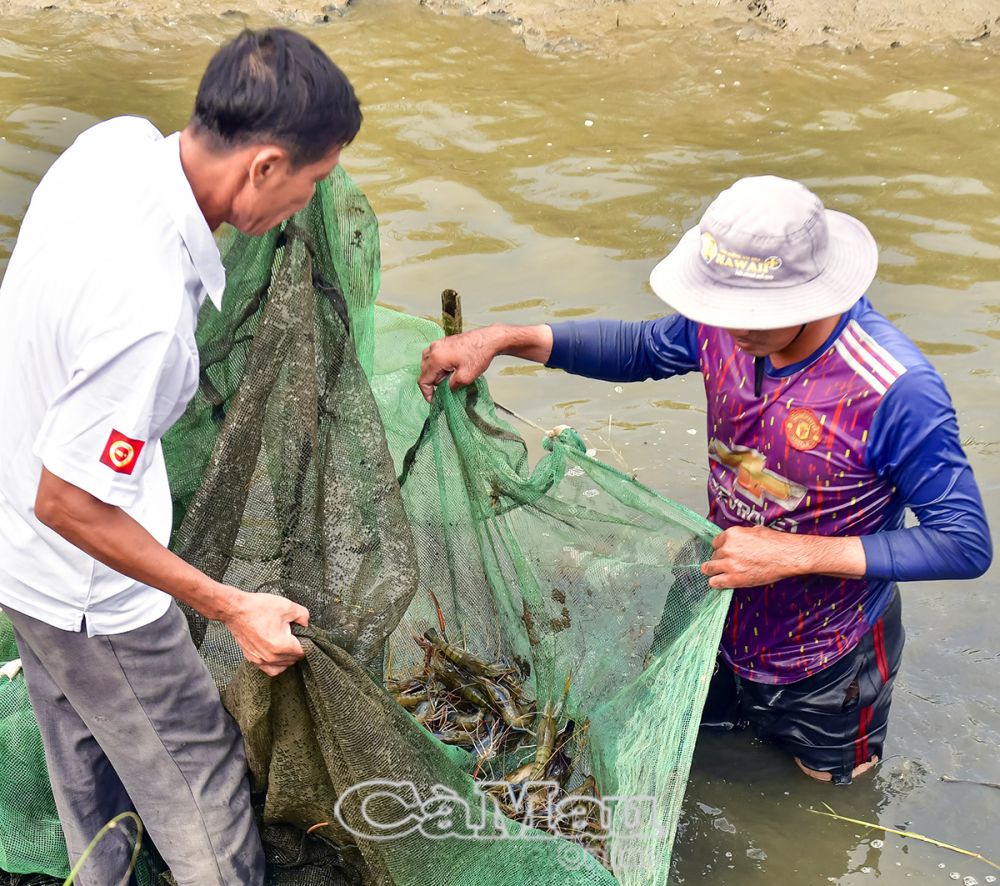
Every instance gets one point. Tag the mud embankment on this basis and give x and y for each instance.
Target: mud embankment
(623, 26)
(612, 25)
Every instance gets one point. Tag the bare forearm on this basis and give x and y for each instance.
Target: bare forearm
(751, 556)
(467, 356)
(527, 342)
(110, 535)
(841, 557)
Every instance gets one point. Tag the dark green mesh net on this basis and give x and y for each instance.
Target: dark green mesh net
(31, 839)
(282, 477)
(309, 465)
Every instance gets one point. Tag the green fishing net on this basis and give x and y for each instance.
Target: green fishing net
(309, 465)
(31, 839)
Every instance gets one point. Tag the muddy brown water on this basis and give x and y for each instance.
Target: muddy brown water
(544, 189)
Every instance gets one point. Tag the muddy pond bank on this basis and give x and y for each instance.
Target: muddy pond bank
(614, 27)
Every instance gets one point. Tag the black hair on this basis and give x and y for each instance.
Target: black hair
(276, 86)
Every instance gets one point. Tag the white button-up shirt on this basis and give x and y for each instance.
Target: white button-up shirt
(97, 359)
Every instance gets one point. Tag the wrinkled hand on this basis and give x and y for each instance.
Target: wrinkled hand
(262, 626)
(466, 356)
(748, 556)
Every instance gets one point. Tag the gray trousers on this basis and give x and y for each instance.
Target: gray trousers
(134, 721)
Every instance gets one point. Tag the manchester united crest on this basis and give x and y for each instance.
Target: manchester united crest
(803, 430)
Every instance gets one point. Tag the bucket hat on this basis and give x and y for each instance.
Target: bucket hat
(767, 255)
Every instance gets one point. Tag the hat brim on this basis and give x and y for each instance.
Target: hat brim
(680, 280)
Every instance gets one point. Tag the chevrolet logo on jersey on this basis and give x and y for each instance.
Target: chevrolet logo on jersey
(755, 481)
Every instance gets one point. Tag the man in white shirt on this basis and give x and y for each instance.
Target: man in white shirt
(97, 359)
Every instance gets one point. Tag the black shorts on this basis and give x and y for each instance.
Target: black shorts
(832, 721)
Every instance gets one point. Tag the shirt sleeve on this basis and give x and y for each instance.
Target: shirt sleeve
(915, 444)
(615, 350)
(124, 391)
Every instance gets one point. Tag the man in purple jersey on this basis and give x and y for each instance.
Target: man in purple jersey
(824, 424)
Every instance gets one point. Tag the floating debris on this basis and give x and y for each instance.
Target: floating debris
(909, 834)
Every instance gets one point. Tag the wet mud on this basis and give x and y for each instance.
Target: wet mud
(618, 27)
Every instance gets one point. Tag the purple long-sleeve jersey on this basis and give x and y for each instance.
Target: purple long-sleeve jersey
(838, 444)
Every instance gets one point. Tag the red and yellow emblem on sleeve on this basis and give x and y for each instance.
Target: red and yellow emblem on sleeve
(802, 429)
(121, 452)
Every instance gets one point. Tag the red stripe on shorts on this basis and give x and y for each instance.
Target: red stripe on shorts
(861, 742)
(878, 636)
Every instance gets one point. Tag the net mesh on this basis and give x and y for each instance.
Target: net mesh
(309, 465)
(32, 846)
(31, 839)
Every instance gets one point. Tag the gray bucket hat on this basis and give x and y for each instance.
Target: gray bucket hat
(766, 255)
